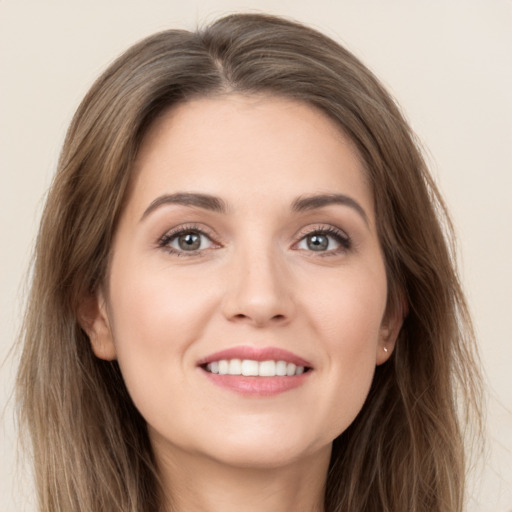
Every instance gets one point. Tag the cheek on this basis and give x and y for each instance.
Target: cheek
(154, 307)
(154, 322)
(349, 308)
(347, 321)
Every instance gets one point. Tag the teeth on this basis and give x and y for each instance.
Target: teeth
(235, 367)
(290, 369)
(223, 367)
(267, 368)
(281, 368)
(251, 368)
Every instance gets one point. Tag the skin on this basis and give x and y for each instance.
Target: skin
(254, 281)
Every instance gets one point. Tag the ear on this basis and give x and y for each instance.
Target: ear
(388, 333)
(93, 318)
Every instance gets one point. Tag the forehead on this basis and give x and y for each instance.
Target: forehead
(237, 145)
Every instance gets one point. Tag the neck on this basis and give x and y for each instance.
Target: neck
(194, 483)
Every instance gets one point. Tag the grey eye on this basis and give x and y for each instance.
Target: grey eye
(320, 241)
(189, 241)
(317, 242)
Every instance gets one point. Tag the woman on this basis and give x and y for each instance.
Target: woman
(243, 294)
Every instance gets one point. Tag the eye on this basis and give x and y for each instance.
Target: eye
(186, 239)
(325, 240)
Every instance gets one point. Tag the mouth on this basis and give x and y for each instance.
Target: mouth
(253, 368)
(256, 371)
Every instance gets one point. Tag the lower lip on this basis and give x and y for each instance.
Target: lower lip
(257, 386)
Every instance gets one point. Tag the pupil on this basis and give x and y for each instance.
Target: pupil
(189, 241)
(318, 242)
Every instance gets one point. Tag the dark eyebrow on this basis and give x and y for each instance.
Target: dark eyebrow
(305, 203)
(204, 201)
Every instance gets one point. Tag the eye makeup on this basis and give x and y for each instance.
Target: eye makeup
(190, 239)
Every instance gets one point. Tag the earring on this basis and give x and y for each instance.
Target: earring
(385, 349)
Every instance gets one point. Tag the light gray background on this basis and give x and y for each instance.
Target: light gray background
(449, 64)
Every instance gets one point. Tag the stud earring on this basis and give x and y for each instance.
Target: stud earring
(385, 349)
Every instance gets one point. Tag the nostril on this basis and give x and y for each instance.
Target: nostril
(258, 319)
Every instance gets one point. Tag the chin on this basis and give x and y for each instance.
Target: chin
(266, 450)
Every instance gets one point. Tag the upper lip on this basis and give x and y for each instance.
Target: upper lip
(256, 354)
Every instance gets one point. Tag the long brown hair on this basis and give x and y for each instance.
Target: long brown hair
(404, 452)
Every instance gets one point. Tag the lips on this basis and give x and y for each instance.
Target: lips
(256, 371)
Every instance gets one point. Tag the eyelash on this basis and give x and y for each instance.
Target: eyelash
(170, 236)
(338, 235)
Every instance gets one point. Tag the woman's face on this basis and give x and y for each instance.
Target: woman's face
(248, 244)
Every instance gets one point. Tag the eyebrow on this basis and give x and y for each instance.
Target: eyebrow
(196, 200)
(307, 203)
(215, 204)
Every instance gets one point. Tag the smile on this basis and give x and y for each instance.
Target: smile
(256, 371)
(253, 368)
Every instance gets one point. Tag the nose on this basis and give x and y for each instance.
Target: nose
(259, 290)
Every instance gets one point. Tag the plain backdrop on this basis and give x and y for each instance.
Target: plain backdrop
(448, 63)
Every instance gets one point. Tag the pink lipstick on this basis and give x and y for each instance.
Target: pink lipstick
(257, 371)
